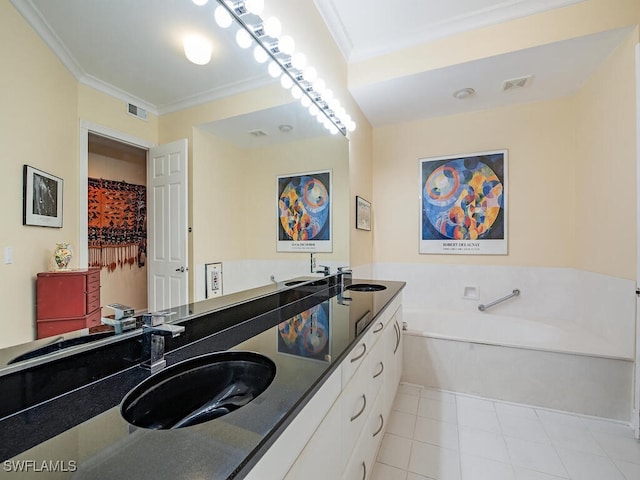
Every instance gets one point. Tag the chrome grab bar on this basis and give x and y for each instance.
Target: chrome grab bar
(482, 307)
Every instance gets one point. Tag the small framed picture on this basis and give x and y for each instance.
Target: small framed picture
(42, 198)
(213, 281)
(363, 214)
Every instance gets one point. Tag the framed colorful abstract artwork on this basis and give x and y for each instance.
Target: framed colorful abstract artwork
(463, 204)
(304, 212)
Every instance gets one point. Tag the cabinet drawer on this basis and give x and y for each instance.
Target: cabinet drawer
(93, 286)
(93, 301)
(94, 319)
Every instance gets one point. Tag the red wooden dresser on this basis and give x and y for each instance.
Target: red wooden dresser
(67, 301)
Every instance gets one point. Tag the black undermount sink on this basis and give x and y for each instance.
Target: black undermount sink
(317, 283)
(366, 287)
(198, 390)
(56, 346)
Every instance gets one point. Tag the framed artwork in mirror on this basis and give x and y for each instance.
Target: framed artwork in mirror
(363, 214)
(307, 335)
(304, 212)
(41, 198)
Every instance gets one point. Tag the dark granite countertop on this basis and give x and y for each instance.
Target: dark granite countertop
(82, 409)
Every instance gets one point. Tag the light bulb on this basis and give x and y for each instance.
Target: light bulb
(197, 49)
(260, 54)
(334, 104)
(306, 101)
(296, 92)
(243, 38)
(254, 6)
(299, 61)
(286, 45)
(320, 86)
(222, 17)
(333, 129)
(272, 27)
(313, 110)
(328, 95)
(310, 74)
(286, 82)
(351, 125)
(274, 69)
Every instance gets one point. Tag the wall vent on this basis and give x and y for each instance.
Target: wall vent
(514, 83)
(258, 133)
(136, 111)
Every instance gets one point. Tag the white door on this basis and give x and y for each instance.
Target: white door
(167, 259)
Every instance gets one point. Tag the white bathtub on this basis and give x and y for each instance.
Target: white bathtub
(559, 366)
(492, 329)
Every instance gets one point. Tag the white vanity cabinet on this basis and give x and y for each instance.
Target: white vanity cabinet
(345, 443)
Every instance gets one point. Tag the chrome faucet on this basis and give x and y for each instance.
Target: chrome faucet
(324, 269)
(153, 324)
(345, 274)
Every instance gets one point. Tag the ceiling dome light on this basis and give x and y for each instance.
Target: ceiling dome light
(200, 3)
(243, 38)
(463, 93)
(197, 49)
(272, 27)
(254, 6)
(222, 17)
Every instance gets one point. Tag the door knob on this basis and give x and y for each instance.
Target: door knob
(181, 269)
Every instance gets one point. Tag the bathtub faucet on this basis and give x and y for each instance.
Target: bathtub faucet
(482, 307)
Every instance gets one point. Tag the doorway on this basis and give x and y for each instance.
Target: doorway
(117, 188)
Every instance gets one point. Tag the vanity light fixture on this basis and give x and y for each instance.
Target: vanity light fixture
(197, 49)
(295, 75)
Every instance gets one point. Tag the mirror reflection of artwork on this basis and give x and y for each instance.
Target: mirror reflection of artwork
(304, 212)
(307, 334)
(464, 204)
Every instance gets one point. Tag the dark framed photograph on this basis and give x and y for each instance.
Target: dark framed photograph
(42, 198)
(363, 214)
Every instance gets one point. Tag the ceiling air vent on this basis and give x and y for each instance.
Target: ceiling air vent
(258, 133)
(514, 83)
(136, 111)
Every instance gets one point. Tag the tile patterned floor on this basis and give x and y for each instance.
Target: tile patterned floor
(437, 435)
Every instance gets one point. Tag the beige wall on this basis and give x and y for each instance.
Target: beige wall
(38, 127)
(606, 213)
(539, 139)
(234, 189)
(571, 174)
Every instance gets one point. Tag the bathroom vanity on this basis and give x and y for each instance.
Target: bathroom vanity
(337, 359)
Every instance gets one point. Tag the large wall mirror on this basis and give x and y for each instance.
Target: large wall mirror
(244, 132)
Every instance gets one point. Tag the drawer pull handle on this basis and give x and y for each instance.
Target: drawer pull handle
(364, 350)
(398, 337)
(364, 471)
(381, 370)
(364, 407)
(379, 328)
(381, 426)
